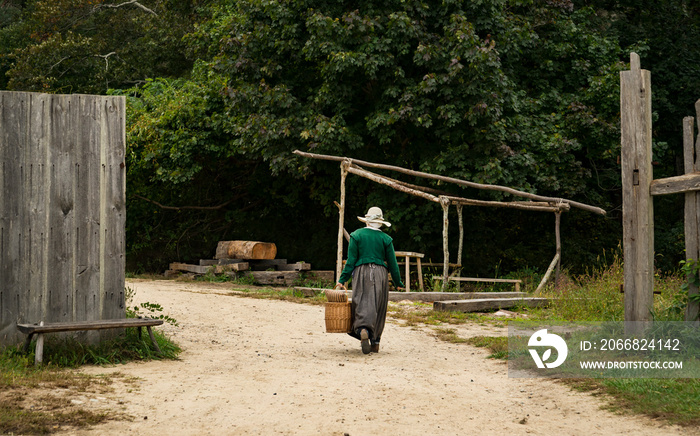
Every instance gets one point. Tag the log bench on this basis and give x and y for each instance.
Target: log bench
(70, 326)
(516, 282)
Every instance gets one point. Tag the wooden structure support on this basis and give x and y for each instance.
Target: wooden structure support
(638, 190)
(637, 203)
(552, 265)
(354, 166)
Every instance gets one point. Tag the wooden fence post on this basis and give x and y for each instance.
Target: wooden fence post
(692, 205)
(637, 208)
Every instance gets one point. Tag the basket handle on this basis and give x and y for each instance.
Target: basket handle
(341, 286)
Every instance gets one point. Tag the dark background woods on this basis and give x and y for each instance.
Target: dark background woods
(517, 93)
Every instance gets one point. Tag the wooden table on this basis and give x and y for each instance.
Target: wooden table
(407, 255)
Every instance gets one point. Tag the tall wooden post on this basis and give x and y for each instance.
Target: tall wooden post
(344, 165)
(637, 204)
(692, 205)
(445, 203)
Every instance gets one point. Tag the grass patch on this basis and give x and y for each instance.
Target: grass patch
(497, 345)
(38, 400)
(287, 294)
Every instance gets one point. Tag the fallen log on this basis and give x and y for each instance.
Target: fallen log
(249, 250)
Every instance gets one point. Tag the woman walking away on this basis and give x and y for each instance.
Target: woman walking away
(369, 253)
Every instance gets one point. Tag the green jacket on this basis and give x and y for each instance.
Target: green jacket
(371, 246)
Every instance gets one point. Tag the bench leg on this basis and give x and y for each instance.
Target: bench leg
(27, 342)
(517, 287)
(39, 350)
(153, 339)
(408, 274)
(420, 275)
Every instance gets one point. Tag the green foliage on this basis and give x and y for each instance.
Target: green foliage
(89, 46)
(511, 92)
(145, 310)
(495, 92)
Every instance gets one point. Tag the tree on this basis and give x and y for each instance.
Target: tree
(90, 46)
(520, 93)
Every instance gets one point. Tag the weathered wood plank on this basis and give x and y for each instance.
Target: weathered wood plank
(112, 206)
(204, 269)
(477, 305)
(11, 145)
(88, 325)
(64, 157)
(637, 203)
(61, 211)
(427, 297)
(676, 184)
(298, 266)
(288, 278)
(210, 262)
(87, 209)
(37, 158)
(479, 279)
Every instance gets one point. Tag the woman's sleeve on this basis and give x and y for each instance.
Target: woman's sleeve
(353, 255)
(393, 265)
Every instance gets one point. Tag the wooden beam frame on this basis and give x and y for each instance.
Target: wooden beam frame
(446, 179)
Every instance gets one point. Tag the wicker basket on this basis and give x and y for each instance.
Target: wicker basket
(338, 317)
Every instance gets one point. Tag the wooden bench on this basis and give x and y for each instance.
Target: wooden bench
(516, 282)
(408, 255)
(54, 327)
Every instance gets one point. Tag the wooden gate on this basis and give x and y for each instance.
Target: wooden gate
(62, 199)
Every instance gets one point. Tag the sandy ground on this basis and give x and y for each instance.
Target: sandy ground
(264, 367)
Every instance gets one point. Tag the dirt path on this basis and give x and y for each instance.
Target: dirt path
(267, 367)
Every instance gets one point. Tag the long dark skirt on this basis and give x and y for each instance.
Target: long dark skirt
(370, 298)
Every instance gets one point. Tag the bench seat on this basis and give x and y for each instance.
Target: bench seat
(54, 327)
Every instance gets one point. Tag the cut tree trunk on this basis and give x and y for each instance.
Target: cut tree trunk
(245, 250)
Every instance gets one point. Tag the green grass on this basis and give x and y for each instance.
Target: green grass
(36, 400)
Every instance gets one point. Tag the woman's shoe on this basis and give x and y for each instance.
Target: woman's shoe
(364, 340)
(375, 348)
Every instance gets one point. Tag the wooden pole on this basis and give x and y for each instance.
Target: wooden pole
(344, 165)
(391, 183)
(511, 191)
(547, 274)
(692, 220)
(693, 310)
(557, 224)
(522, 205)
(460, 218)
(445, 203)
(637, 202)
